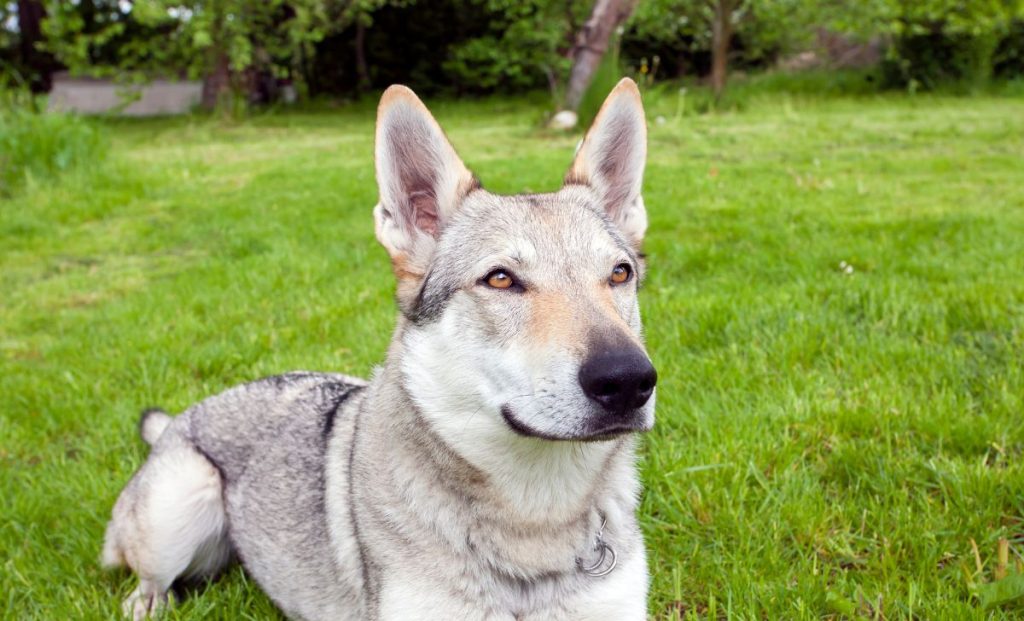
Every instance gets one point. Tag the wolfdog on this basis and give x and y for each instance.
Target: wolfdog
(487, 470)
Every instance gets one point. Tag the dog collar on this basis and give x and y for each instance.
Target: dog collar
(606, 557)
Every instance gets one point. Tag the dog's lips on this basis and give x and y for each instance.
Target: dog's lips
(605, 429)
(521, 428)
(607, 426)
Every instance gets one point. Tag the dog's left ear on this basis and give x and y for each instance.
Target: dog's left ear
(612, 157)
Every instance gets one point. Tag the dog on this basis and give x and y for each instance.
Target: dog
(487, 470)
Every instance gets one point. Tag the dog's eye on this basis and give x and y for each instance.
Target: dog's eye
(621, 274)
(499, 279)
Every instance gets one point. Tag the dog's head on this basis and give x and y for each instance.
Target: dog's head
(521, 311)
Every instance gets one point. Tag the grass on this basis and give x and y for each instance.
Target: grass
(35, 147)
(835, 305)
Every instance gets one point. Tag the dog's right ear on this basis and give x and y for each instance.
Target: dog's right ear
(611, 160)
(420, 178)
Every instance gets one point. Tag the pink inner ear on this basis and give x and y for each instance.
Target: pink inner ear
(424, 209)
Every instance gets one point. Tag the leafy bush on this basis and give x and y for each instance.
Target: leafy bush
(679, 33)
(936, 59)
(522, 46)
(452, 46)
(948, 43)
(40, 145)
(1009, 56)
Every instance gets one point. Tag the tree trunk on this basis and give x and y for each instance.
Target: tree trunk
(591, 44)
(217, 83)
(721, 38)
(362, 69)
(39, 64)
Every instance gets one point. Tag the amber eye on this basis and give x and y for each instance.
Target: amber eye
(621, 273)
(499, 280)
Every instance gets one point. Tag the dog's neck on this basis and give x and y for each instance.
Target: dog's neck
(546, 499)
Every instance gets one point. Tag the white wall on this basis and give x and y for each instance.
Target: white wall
(90, 96)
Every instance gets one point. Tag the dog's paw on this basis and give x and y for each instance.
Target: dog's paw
(142, 605)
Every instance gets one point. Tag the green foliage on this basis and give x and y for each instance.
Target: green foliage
(98, 38)
(40, 146)
(1009, 56)
(481, 46)
(972, 17)
(673, 30)
(937, 59)
(453, 47)
(147, 37)
(770, 28)
(934, 42)
(521, 47)
(937, 43)
(512, 45)
(763, 29)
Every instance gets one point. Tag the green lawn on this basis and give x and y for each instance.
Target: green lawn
(831, 441)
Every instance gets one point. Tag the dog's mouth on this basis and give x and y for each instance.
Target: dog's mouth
(601, 429)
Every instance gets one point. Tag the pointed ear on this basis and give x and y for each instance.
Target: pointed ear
(612, 157)
(420, 178)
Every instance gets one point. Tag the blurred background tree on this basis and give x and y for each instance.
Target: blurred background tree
(708, 35)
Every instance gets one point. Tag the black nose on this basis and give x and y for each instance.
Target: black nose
(619, 380)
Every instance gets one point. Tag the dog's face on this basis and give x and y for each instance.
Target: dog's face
(521, 311)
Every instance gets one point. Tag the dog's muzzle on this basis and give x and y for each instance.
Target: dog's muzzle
(618, 382)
